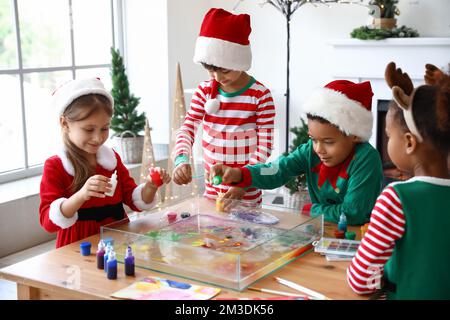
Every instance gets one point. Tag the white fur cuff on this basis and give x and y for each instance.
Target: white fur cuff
(58, 218)
(139, 203)
(223, 53)
(349, 115)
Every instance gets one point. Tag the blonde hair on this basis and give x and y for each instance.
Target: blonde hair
(82, 108)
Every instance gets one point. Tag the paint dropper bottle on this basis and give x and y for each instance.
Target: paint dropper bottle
(129, 262)
(112, 266)
(113, 182)
(101, 255)
(108, 249)
(342, 225)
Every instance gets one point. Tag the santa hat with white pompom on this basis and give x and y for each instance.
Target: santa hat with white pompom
(223, 42)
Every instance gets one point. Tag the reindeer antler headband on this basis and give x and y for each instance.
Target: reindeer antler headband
(403, 93)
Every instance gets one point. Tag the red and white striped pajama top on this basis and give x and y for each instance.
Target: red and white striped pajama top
(387, 224)
(239, 133)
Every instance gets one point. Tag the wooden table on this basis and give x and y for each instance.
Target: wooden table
(64, 274)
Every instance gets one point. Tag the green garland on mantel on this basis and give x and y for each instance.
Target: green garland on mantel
(367, 33)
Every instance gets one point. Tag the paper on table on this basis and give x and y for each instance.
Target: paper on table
(154, 288)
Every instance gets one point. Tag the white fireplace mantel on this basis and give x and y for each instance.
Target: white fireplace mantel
(392, 42)
(362, 60)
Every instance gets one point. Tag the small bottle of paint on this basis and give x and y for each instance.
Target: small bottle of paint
(172, 217)
(217, 180)
(364, 229)
(219, 202)
(101, 254)
(342, 225)
(112, 266)
(108, 249)
(129, 262)
(85, 248)
(156, 177)
(185, 215)
(108, 240)
(339, 234)
(113, 182)
(350, 235)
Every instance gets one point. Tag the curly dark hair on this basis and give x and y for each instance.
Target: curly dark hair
(323, 121)
(397, 115)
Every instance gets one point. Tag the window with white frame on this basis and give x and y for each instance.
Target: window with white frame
(42, 45)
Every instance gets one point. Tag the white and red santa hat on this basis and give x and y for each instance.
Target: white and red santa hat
(345, 104)
(223, 42)
(73, 89)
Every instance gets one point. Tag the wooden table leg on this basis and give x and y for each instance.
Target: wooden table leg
(25, 292)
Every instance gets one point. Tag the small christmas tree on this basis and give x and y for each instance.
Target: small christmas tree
(301, 137)
(125, 117)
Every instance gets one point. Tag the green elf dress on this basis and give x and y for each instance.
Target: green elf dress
(351, 187)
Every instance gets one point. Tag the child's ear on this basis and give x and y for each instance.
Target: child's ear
(411, 143)
(356, 139)
(63, 123)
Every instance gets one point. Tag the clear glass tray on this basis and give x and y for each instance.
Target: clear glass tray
(214, 247)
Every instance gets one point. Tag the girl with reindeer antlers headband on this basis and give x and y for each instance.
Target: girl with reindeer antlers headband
(405, 250)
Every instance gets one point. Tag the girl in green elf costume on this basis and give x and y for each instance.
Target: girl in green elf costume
(405, 250)
(343, 171)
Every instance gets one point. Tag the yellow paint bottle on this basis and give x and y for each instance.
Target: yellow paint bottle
(219, 203)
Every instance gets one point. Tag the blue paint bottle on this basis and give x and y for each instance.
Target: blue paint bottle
(112, 266)
(108, 249)
(342, 225)
(85, 248)
(108, 240)
(129, 262)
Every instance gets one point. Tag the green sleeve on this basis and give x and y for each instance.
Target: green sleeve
(277, 173)
(364, 186)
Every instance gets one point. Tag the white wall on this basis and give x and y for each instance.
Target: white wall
(184, 21)
(146, 56)
(158, 34)
(19, 225)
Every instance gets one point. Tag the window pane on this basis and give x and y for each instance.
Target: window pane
(92, 31)
(102, 73)
(45, 33)
(8, 52)
(43, 133)
(11, 133)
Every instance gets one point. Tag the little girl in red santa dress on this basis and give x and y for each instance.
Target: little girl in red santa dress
(77, 192)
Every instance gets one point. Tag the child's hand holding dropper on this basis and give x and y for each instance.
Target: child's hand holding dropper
(94, 187)
(229, 175)
(157, 177)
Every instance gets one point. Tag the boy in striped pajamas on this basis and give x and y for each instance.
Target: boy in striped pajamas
(235, 110)
(405, 250)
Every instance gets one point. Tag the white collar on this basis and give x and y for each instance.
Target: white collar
(105, 158)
